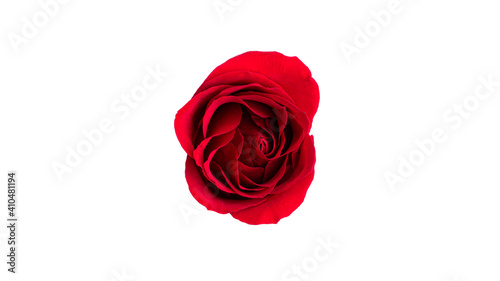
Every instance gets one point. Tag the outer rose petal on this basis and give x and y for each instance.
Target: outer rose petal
(289, 72)
(305, 163)
(278, 206)
(189, 116)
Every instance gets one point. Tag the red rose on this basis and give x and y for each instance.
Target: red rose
(246, 133)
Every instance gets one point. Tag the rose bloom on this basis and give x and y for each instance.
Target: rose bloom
(246, 135)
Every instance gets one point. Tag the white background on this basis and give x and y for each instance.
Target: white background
(121, 209)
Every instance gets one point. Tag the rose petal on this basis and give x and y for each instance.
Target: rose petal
(305, 164)
(209, 145)
(255, 174)
(289, 72)
(188, 118)
(277, 206)
(217, 201)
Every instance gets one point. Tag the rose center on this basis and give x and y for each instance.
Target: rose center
(264, 143)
